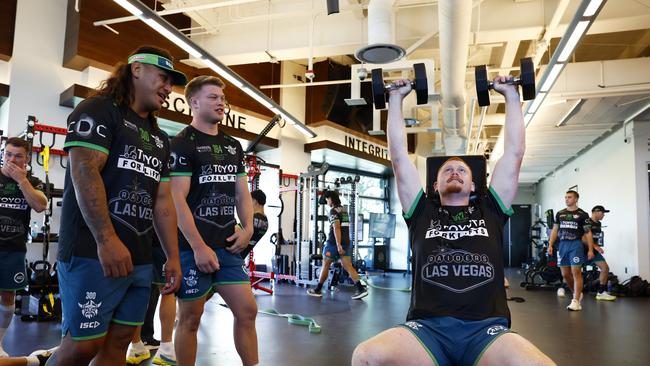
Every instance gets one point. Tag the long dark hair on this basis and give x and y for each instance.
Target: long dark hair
(119, 86)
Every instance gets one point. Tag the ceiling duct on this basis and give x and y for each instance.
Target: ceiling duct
(381, 48)
(454, 18)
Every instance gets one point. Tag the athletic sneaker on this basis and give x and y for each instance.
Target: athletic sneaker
(360, 293)
(161, 358)
(561, 292)
(574, 305)
(605, 296)
(150, 343)
(314, 292)
(43, 355)
(137, 355)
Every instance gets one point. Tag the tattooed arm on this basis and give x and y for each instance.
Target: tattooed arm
(164, 220)
(85, 167)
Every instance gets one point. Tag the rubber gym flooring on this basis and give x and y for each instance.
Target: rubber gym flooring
(604, 333)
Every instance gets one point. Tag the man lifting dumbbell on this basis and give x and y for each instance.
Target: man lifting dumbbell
(469, 323)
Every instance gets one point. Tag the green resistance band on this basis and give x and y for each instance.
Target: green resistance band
(370, 284)
(295, 319)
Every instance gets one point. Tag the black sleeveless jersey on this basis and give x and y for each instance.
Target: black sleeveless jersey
(214, 163)
(457, 258)
(572, 224)
(138, 160)
(15, 214)
(340, 214)
(597, 232)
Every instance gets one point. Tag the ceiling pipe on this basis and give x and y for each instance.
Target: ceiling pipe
(454, 17)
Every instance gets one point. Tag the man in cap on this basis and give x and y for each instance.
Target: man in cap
(117, 192)
(597, 214)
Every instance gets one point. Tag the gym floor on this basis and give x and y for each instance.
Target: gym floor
(603, 333)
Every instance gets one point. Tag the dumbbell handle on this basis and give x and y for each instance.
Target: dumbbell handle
(393, 86)
(513, 81)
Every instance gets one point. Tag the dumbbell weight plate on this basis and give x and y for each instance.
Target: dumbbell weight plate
(482, 85)
(527, 78)
(420, 85)
(378, 89)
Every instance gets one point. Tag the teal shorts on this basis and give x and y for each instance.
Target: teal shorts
(452, 341)
(196, 284)
(597, 258)
(332, 252)
(571, 254)
(91, 301)
(13, 274)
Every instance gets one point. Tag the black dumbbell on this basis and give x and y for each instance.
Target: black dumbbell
(379, 89)
(526, 79)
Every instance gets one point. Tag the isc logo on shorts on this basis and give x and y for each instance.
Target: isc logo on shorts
(89, 325)
(496, 329)
(576, 259)
(19, 277)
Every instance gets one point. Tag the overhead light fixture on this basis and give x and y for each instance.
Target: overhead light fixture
(527, 118)
(569, 113)
(172, 37)
(129, 7)
(575, 36)
(593, 6)
(550, 79)
(223, 73)
(151, 18)
(584, 17)
(534, 105)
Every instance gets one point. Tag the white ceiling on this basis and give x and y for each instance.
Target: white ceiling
(614, 54)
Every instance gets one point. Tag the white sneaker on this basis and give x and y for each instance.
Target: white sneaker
(574, 305)
(135, 355)
(162, 358)
(605, 296)
(3, 354)
(561, 292)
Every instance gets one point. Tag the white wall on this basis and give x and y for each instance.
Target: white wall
(641, 142)
(604, 176)
(525, 196)
(5, 69)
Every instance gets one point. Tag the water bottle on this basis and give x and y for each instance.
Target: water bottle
(35, 230)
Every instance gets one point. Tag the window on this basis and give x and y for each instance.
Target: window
(372, 195)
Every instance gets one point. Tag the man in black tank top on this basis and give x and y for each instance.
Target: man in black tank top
(209, 187)
(570, 227)
(458, 313)
(260, 222)
(116, 198)
(597, 214)
(19, 194)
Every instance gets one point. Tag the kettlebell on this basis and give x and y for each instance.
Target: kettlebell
(40, 273)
